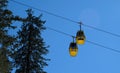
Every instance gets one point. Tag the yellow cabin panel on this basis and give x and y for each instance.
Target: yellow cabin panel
(80, 41)
(73, 52)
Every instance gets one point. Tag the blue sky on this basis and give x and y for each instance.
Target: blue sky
(103, 14)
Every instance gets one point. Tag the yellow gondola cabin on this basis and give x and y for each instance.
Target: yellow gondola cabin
(73, 49)
(80, 37)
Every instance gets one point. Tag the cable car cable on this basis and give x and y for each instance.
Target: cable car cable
(53, 14)
(47, 12)
(112, 49)
(117, 35)
(60, 32)
(94, 43)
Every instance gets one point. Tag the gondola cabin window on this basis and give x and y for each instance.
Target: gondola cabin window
(80, 37)
(73, 49)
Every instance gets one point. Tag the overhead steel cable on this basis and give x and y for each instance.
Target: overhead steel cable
(60, 32)
(47, 12)
(53, 14)
(117, 35)
(109, 48)
(94, 43)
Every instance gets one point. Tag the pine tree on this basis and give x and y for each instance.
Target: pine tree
(29, 49)
(3, 3)
(5, 39)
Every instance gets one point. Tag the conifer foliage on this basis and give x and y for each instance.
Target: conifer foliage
(29, 49)
(5, 39)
